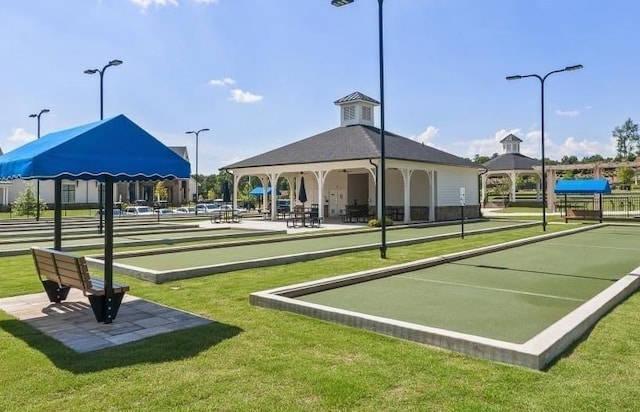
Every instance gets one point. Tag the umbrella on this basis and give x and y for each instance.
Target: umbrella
(226, 193)
(302, 193)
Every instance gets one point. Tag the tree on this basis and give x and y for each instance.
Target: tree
(26, 203)
(568, 174)
(481, 159)
(160, 191)
(569, 160)
(625, 175)
(592, 159)
(627, 139)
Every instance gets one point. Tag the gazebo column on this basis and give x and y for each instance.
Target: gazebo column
(432, 195)
(273, 177)
(483, 190)
(406, 178)
(551, 195)
(236, 180)
(512, 194)
(263, 182)
(320, 175)
(539, 188)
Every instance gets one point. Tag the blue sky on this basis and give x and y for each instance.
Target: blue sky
(261, 74)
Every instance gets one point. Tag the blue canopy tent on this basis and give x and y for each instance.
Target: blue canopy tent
(259, 191)
(583, 187)
(109, 151)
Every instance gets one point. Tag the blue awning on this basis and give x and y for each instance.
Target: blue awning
(258, 191)
(583, 186)
(114, 147)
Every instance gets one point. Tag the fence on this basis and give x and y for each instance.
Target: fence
(613, 206)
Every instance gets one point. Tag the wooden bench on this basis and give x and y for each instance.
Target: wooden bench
(586, 214)
(60, 271)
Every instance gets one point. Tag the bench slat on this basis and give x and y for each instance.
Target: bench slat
(70, 270)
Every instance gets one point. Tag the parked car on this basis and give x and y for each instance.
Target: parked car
(184, 209)
(206, 208)
(164, 211)
(138, 211)
(116, 212)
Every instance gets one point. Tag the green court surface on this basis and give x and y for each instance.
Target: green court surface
(177, 260)
(510, 295)
(142, 237)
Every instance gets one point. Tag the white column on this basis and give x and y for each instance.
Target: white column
(320, 175)
(432, 202)
(236, 179)
(406, 178)
(273, 177)
(512, 195)
(483, 191)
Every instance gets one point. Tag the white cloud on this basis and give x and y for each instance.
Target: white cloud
(222, 82)
(572, 146)
(19, 135)
(427, 136)
(145, 4)
(17, 138)
(240, 96)
(487, 146)
(568, 113)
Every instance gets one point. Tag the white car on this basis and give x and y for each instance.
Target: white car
(206, 208)
(138, 211)
(184, 209)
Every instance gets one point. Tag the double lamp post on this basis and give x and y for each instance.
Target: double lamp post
(382, 169)
(544, 178)
(101, 72)
(197, 133)
(38, 181)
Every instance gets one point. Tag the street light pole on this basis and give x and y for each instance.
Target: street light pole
(38, 181)
(197, 133)
(382, 170)
(101, 72)
(544, 177)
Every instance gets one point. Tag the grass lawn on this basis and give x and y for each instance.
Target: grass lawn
(264, 360)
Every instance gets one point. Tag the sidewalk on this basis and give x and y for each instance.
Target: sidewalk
(259, 224)
(498, 212)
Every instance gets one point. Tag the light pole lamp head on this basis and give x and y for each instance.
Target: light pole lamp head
(44, 111)
(340, 3)
(203, 130)
(190, 132)
(91, 71)
(517, 77)
(115, 62)
(33, 115)
(576, 67)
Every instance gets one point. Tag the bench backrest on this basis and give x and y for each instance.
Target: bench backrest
(63, 268)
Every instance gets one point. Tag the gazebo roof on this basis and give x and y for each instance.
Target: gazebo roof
(355, 142)
(512, 161)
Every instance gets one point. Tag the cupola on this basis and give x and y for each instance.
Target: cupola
(356, 108)
(511, 144)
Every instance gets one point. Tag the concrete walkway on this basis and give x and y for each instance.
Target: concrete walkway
(72, 322)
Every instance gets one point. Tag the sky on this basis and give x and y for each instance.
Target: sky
(262, 74)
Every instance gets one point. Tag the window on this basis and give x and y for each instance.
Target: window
(68, 193)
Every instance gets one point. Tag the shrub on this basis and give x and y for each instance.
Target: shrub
(377, 223)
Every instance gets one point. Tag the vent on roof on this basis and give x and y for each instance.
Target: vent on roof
(367, 113)
(349, 113)
(356, 109)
